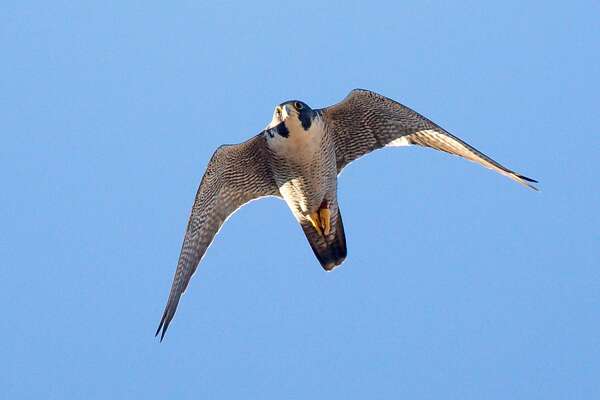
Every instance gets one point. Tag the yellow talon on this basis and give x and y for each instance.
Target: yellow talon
(325, 217)
(321, 220)
(314, 220)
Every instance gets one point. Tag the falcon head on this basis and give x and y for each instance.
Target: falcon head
(291, 115)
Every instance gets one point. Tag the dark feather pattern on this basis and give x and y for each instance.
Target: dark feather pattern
(307, 179)
(235, 175)
(330, 250)
(365, 121)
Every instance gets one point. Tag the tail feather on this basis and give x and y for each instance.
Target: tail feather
(330, 250)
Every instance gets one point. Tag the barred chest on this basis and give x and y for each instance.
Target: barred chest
(304, 166)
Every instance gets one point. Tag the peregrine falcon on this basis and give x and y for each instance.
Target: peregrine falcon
(298, 158)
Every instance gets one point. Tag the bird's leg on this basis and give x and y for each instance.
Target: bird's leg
(321, 219)
(325, 217)
(315, 221)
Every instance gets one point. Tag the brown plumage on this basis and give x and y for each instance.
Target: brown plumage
(297, 158)
(365, 121)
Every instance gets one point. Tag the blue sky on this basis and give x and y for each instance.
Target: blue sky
(459, 284)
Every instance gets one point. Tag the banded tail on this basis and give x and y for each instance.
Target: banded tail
(330, 249)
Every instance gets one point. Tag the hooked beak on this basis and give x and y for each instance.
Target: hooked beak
(287, 110)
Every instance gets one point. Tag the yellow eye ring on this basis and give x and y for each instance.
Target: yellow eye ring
(298, 105)
(278, 112)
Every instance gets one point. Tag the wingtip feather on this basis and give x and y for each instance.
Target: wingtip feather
(164, 324)
(160, 327)
(525, 181)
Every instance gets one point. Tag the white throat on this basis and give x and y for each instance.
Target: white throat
(300, 145)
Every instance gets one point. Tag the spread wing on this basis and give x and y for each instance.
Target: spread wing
(365, 121)
(236, 174)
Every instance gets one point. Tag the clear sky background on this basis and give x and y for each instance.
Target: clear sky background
(460, 284)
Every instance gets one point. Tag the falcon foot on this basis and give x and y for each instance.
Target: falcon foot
(316, 222)
(325, 217)
(321, 220)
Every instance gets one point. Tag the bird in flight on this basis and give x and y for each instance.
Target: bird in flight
(298, 158)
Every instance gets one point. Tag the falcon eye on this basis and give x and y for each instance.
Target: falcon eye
(278, 112)
(298, 105)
